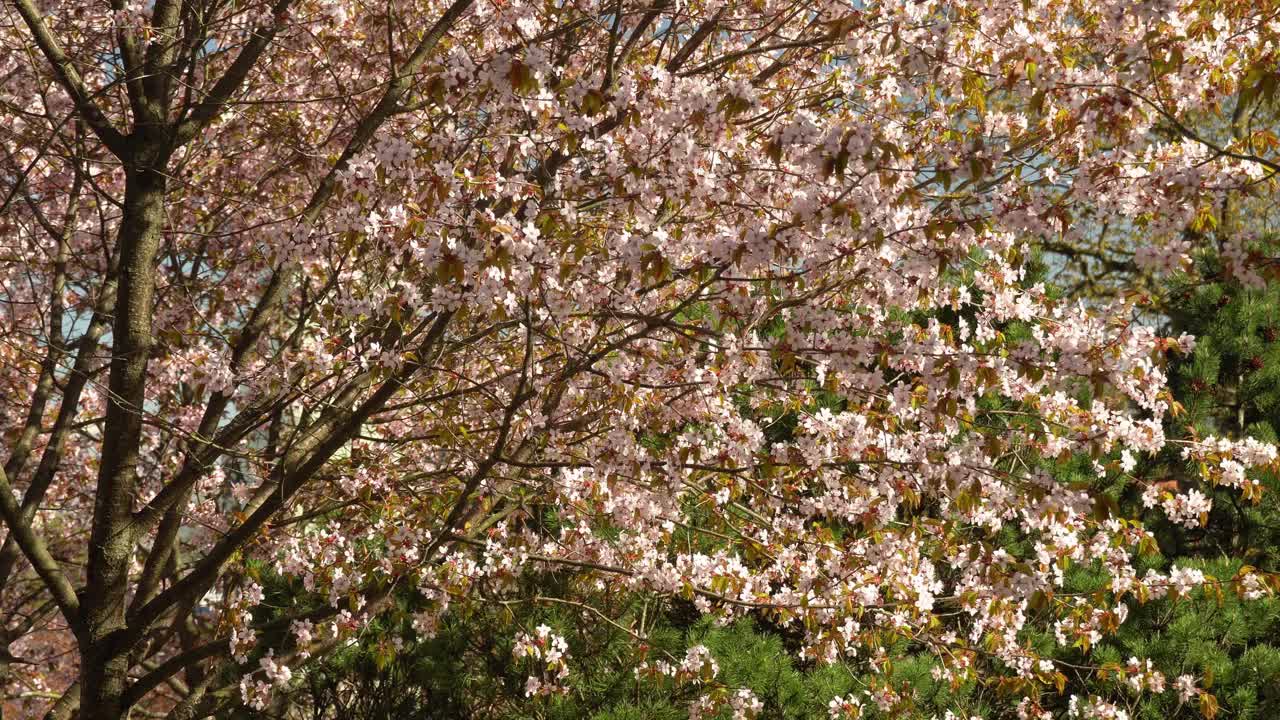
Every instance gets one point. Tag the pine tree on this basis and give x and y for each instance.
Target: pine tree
(1229, 386)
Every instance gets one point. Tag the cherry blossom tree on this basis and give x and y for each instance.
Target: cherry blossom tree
(713, 300)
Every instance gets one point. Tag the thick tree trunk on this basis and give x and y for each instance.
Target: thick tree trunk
(104, 658)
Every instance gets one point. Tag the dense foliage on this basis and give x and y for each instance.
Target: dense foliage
(1228, 644)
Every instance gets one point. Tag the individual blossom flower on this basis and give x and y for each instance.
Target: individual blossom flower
(845, 707)
(1186, 688)
(255, 693)
(303, 634)
(278, 673)
(550, 651)
(698, 663)
(745, 705)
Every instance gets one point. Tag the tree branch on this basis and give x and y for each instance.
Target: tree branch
(70, 79)
(33, 546)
